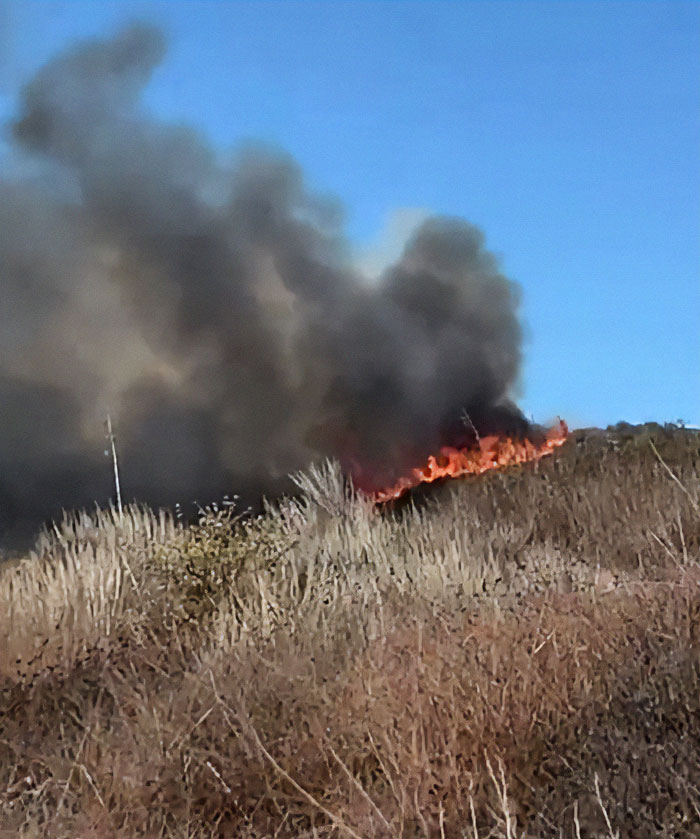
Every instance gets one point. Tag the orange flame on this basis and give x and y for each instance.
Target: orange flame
(493, 452)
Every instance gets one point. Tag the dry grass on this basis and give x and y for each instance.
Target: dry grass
(511, 656)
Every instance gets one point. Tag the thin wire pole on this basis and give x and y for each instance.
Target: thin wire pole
(113, 447)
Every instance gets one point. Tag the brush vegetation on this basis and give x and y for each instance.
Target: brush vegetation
(513, 655)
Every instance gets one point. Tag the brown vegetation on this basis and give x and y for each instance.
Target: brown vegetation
(514, 655)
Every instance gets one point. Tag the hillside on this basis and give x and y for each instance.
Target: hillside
(515, 654)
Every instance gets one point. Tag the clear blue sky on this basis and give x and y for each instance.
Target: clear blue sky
(568, 131)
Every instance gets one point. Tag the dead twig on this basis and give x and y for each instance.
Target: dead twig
(247, 725)
(693, 503)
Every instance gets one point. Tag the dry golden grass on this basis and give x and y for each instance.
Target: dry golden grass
(513, 656)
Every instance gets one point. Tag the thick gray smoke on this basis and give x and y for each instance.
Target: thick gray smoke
(214, 311)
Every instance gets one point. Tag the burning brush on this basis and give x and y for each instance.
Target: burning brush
(492, 452)
(212, 308)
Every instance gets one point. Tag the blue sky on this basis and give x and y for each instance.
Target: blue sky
(568, 131)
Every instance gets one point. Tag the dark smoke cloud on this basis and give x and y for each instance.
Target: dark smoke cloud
(214, 311)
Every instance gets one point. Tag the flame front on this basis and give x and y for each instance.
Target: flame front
(493, 452)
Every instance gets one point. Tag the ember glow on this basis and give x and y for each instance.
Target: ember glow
(493, 452)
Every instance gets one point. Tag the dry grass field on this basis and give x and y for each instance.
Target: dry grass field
(514, 655)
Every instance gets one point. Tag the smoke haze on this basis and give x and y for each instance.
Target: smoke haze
(214, 311)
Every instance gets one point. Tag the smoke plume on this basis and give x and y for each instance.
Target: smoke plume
(213, 310)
